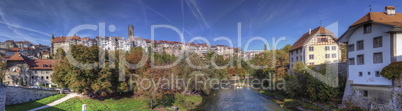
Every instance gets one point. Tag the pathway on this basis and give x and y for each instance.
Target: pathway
(69, 96)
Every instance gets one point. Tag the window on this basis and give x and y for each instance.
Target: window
(377, 42)
(41, 77)
(333, 47)
(360, 45)
(327, 56)
(297, 58)
(365, 93)
(301, 58)
(47, 77)
(311, 56)
(291, 52)
(311, 48)
(322, 39)
(360, 74)
(311, 63)
(333, 55)
(297, 51)
(368, 73)
(327, 48)
(377, 73)
(291, 59)
(367, 28)
(351, 47)
(360, 59)
(377, 57)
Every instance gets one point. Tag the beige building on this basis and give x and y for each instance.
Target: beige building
(63, 43)
(22, 70)
(317, 46)
(17, 72)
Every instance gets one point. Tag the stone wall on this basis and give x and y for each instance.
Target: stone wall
(15, 95)
(2, 97)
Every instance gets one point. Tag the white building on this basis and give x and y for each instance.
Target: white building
(373, 41)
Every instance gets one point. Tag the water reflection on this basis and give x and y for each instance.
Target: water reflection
(238, 99)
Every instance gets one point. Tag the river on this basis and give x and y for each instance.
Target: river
(242, 99)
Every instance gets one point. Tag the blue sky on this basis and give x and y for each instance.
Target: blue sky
(37, 20)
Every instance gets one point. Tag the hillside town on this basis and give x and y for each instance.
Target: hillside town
(371, 43)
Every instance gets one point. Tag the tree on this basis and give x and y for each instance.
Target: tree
(3, 68)
(392, 71)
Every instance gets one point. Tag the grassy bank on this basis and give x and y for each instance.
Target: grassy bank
(183, 102)
(186, 102)
(33, 104)
(123, 104)
(295, 103)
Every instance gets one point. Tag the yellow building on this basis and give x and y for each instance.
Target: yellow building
(317, 46)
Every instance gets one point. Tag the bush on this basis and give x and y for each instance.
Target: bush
(392, 71)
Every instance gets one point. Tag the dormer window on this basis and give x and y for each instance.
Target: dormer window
(367, 28)
(44, 66)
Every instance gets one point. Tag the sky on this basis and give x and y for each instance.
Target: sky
(276, 21)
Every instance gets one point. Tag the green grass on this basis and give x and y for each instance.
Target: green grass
(34, 104)
(75, 104)
(94, 104)
(124, 104)
(186, 102)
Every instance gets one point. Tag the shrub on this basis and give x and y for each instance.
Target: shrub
(392, 71)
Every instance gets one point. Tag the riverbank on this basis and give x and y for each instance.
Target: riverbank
(306, 105)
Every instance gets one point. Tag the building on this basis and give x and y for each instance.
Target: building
(63, 43)
(249, 55)
(40, 71)
(17, 72)
(23, 70)
(374, 41)
(317, 46)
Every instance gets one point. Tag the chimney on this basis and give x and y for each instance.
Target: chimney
(309, 31)
(390, 10)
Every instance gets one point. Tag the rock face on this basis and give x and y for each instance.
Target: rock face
(2, 97)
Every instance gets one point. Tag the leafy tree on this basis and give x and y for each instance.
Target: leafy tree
(3, 68)
(392, 71)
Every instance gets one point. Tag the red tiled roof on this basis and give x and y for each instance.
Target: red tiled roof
(41, 64)
(380, 17)
(86, 38)
(16, 57)
(64, 39)
(304, 39)
(15, 49)
(9, 40)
